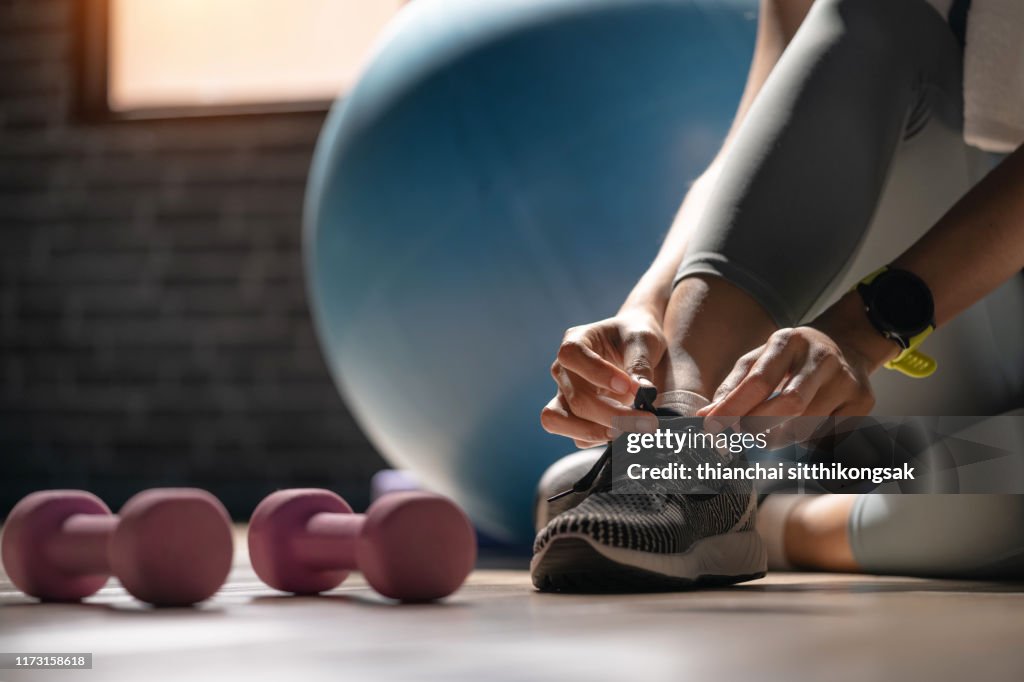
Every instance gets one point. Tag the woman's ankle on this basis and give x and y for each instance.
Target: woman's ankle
(709, 323)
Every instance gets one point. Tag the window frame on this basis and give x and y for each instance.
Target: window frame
(93, 81)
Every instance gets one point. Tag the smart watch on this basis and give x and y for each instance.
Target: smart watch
(900, 306)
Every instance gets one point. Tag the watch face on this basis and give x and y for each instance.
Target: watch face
(902, 302)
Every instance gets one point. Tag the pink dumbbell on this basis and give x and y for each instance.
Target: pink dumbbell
(169, 547)
(411, 546)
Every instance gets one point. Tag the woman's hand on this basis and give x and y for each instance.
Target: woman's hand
(598, 370)
(818, 370)
(801, 371)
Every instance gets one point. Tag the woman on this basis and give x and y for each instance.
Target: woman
(846, 152)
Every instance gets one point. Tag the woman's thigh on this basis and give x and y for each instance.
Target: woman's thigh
(804, 176)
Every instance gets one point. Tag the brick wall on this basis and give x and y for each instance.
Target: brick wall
(153, 318)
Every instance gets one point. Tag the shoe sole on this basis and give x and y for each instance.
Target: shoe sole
(575, 563)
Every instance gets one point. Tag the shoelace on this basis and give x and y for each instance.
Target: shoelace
(644, 400)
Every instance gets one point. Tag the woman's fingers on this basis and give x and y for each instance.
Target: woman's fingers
(812, 394)
(581, 414)
(778, 358)
(576, 355)
(716, 424)
(800, 390)
(557, 419)
(642, 351)
(598, 370)
(839, 390)
(798, 372)
(583, 401)
(739, 370)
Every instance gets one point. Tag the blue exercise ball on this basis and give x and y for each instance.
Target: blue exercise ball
(503, 170)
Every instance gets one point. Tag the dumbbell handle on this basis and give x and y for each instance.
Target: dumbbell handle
(81, 546)
(329, 540)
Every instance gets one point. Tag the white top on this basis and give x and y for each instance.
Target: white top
(993, 73)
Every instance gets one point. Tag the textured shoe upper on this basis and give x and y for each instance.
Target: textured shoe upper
(662, 523)
(654, 522)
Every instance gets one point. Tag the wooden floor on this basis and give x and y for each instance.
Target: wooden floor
(784, 627)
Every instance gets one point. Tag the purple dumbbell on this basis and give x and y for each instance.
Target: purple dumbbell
(411, 546)
(169, 547)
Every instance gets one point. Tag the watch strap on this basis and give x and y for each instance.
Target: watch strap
(913, 362)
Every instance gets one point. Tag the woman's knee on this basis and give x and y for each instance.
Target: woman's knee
(879, 28)
(880, 17)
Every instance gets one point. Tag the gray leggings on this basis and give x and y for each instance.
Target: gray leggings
(852, 150)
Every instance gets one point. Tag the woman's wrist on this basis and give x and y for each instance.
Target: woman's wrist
(846, 323)
(647, 298)
(641, 309)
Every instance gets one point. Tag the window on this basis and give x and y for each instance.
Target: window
(181, 57)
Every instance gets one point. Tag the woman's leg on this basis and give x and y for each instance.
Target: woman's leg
(945, 536)
(801, 183)
(817, 532)
(941, 535)
(808, 204)
(948, 536)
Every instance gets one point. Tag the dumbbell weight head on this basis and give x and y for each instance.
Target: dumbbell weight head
(173, 546)
(273, 528)
(28, 531)
(416, 546)
(169, 547)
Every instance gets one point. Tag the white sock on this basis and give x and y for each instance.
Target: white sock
(685, 403)
(771, 525)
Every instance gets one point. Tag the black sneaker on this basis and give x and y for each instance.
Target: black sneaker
(647, 542)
